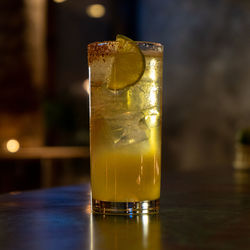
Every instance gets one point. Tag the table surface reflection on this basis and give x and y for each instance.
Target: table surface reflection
(199, 210)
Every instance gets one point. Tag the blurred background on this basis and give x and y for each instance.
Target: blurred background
(44, 134)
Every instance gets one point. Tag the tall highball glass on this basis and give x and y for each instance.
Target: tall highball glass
(125, 133)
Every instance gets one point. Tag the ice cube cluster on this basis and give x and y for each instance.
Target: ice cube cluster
(128, 113)
(128, 128)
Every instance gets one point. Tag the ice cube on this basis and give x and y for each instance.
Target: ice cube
(128, 128)
(144, 95)
(100, 70)
(107, 103)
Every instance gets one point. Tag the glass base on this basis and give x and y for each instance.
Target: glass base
(125, 208)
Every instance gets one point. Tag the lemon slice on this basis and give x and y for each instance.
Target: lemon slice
(128, 66)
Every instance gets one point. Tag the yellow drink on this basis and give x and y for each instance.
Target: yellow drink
(125, 129)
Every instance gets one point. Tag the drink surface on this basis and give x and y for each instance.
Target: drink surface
(125, 132)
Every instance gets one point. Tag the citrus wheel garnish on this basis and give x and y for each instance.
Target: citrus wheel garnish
(128, 65)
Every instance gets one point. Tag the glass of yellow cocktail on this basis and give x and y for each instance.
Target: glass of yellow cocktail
(125, 125)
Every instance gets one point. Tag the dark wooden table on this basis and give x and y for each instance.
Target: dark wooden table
(199, 210)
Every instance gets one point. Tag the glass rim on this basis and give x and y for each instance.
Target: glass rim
(106, 48)
(142, 44)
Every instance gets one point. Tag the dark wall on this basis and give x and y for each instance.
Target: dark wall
(70, 30)
(206, 76)
(15, 77)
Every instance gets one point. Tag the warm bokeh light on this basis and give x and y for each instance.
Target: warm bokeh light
(12, 145)
(15, 193)
(86, 85)
(96, 10)
(59, 1)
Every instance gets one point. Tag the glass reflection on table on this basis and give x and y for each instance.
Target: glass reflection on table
(124, 232)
